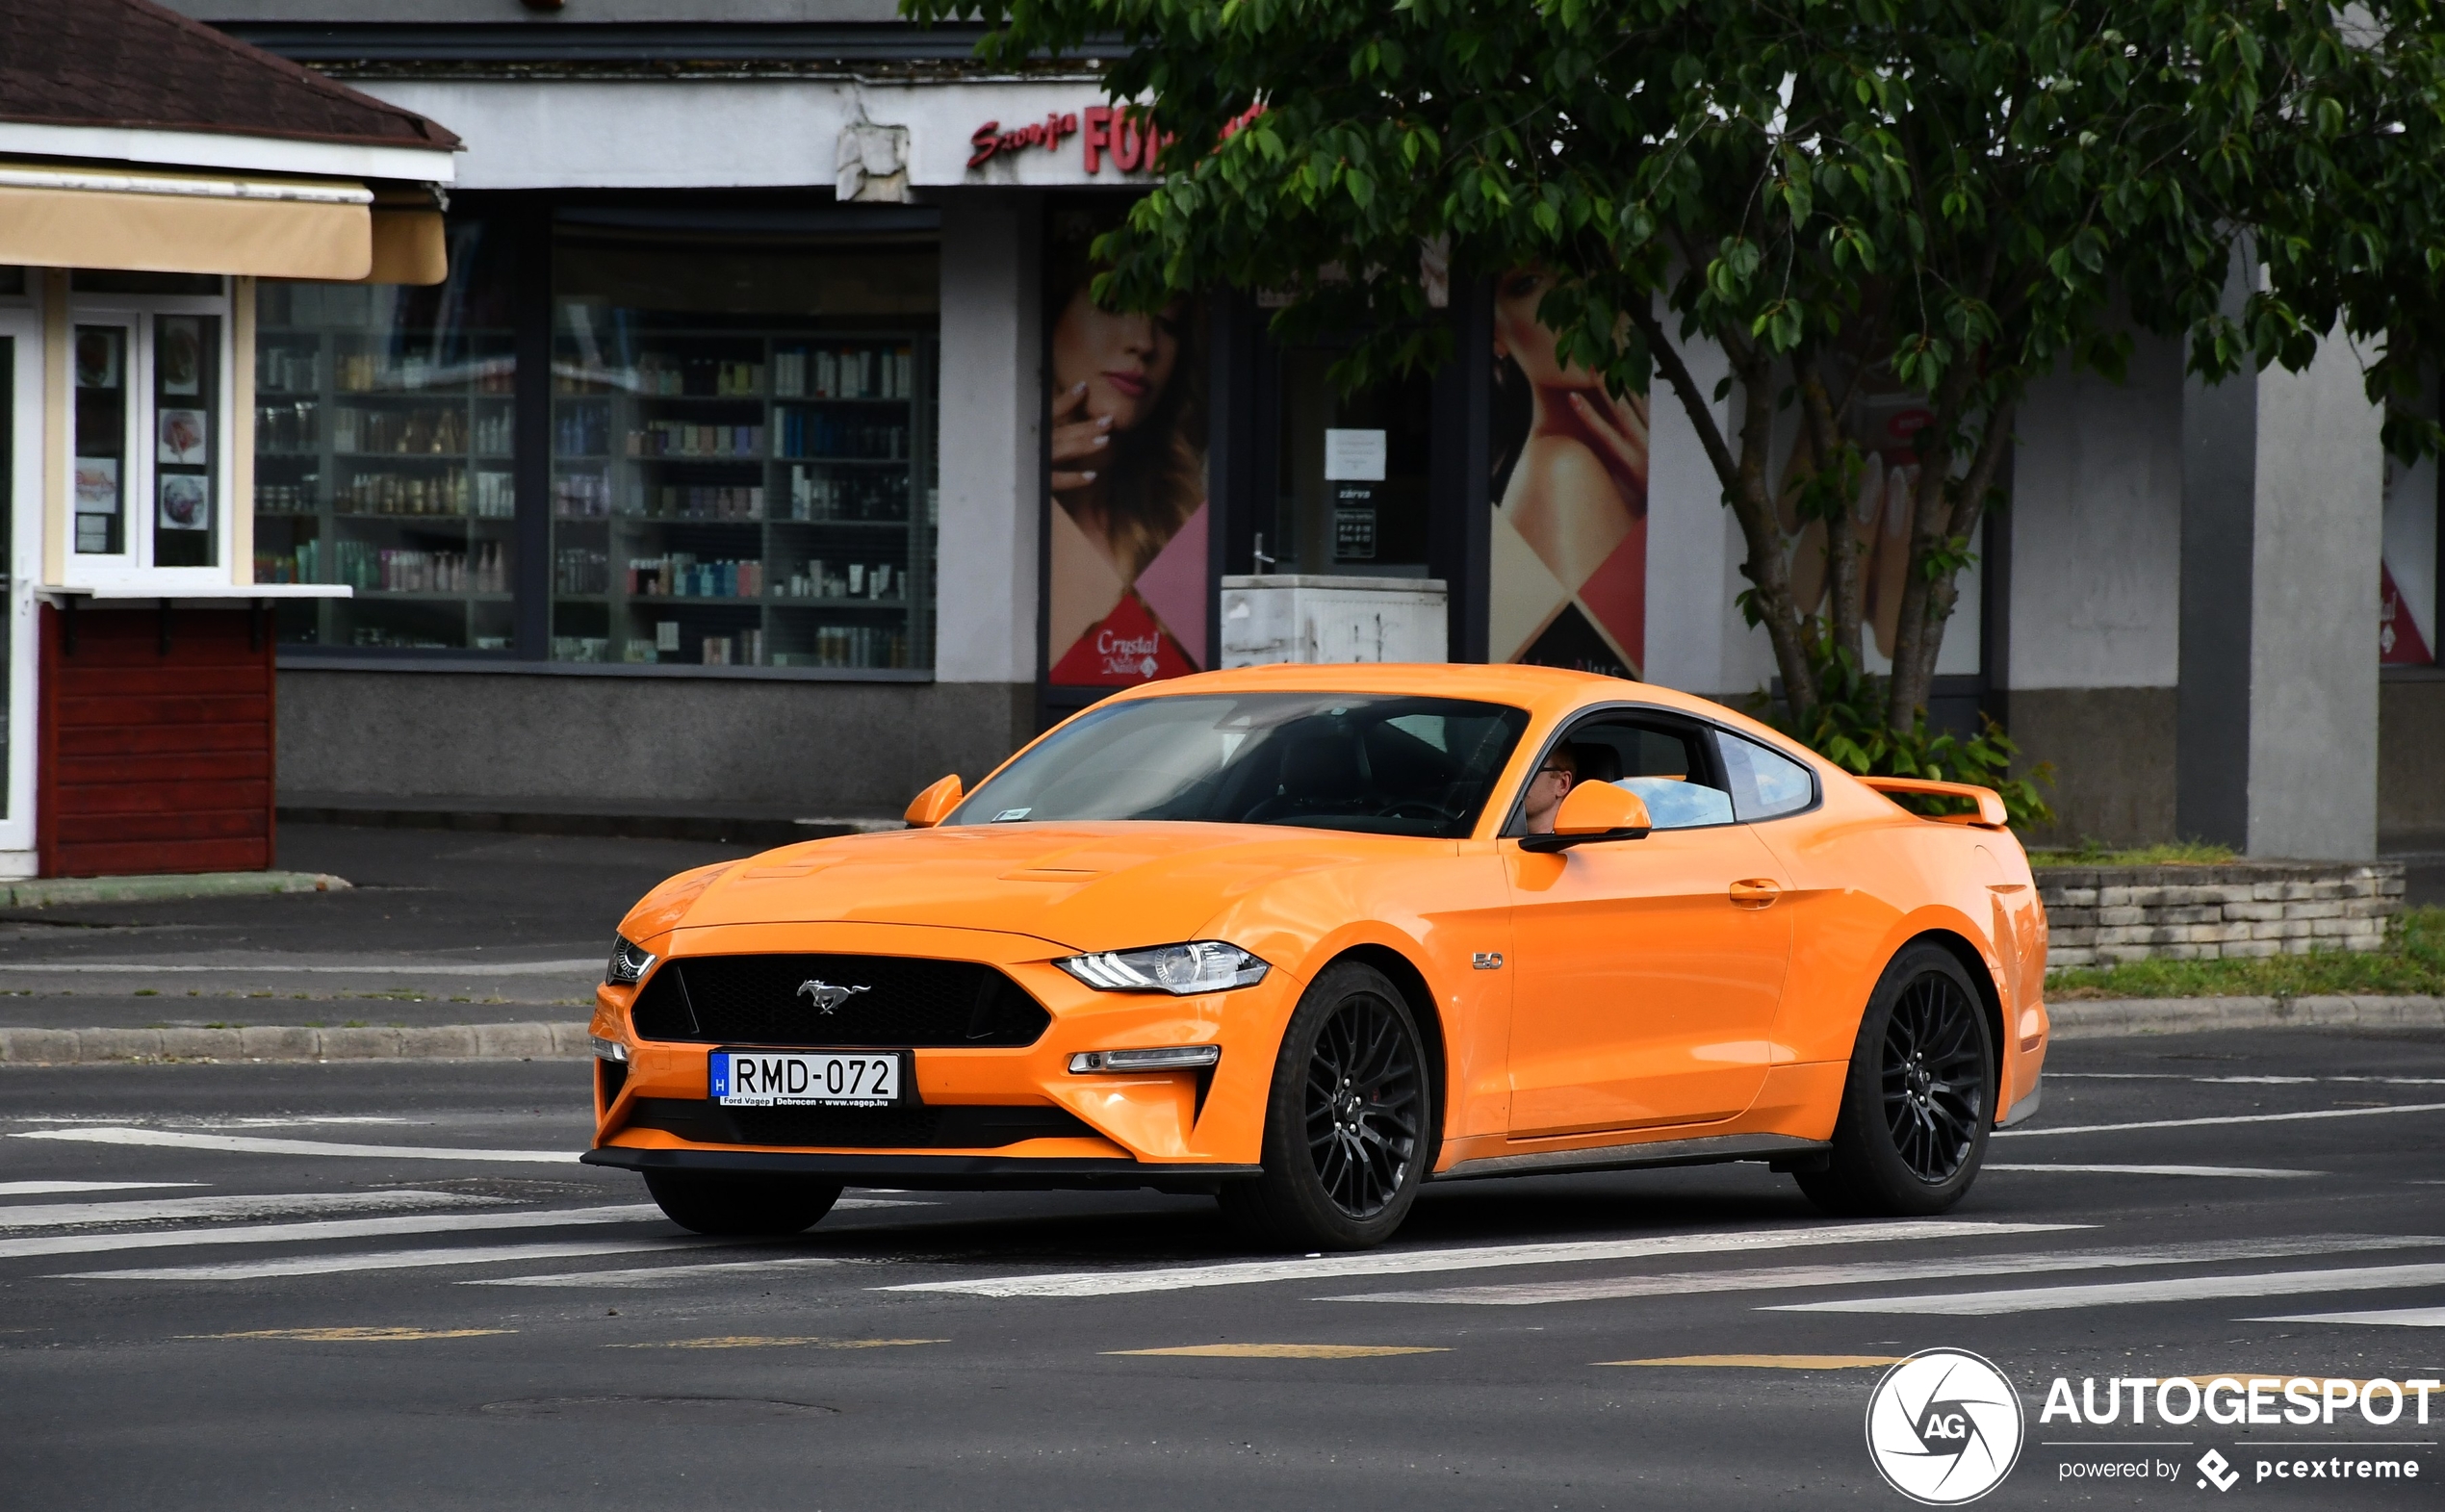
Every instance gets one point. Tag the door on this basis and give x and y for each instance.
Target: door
(1648, 971)
(20, 548)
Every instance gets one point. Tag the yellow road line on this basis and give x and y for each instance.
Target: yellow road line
(772, 1342)
(1289, 1351)
(356, 1335)
(1773, 1362)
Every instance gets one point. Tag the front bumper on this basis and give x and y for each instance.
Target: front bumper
(1181, 1122)
(932, 1172)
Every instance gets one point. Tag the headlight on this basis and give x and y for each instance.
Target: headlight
(1202, 965)
(629, 962)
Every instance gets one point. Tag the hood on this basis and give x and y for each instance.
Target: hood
(1081, 887)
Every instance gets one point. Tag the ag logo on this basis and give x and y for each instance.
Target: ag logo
(825, 996)
(1943, 1427)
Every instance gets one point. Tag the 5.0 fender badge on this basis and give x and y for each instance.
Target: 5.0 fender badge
(825, 995)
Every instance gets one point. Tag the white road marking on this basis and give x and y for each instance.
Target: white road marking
(2200, 1123)
(45, 1188)
(1525, 1293)
(651, 1277)
(2187, 1289)
(171, 1210)
(2399, 1318)
(2238, 1081)
(419, 969)
(323, 1229)
(2263, 1172)
(1380, 1263)
(249, 1144)
(382, 1260)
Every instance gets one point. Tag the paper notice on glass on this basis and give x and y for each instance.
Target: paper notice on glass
(98, 485)
(1354, 456)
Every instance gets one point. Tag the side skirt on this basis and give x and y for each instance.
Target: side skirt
(1633, 1157)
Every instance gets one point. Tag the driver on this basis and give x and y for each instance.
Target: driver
(1556, 778)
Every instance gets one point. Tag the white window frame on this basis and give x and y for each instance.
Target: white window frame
(21, 562)
(133, 566)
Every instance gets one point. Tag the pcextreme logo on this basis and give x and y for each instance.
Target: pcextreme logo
(1943, 1427)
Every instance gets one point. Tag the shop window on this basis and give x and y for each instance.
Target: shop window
(148, 427)
(384, 422)
(1352, 490)
(744, 450)
(11, 282)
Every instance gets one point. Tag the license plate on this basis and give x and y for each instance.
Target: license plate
(799, 1079)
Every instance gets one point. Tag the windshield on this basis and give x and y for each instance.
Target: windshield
(1370, 762)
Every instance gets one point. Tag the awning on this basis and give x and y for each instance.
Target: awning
(187, 223)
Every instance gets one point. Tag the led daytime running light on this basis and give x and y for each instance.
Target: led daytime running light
(1203, 965)
(1168, 1058)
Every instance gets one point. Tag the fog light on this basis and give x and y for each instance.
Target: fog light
(609, 1049)
(1170, 1058)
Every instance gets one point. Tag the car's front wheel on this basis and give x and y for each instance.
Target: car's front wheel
(721, 1202)
(1919, 1098)
(1347, 1123)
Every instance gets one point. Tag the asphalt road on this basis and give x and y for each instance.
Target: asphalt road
(300, 1307)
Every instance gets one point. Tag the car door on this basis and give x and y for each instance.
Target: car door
(1648, 972)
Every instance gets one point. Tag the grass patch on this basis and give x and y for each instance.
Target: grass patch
(2177, 853)
(2412, 963)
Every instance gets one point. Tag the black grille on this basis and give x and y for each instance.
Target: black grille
(914, 1126)
(756, 1000)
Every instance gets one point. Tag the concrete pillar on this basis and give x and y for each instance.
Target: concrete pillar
(992, 404)
(2282, 509)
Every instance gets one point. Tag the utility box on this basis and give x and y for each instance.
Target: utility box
(1291, 617)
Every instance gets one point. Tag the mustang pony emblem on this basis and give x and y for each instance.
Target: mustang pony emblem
(826, 996)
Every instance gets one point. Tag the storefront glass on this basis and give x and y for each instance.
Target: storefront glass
(101, 353)
(1351, 499)
(743, 448)
(384, 424)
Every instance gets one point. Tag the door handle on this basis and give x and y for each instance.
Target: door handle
(1755, 892)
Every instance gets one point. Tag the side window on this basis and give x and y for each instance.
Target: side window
(1667, 764)
(1765, 784)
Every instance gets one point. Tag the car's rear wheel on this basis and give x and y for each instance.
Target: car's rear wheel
(721, 1202)
(1347, 1121)
(1919, 1098)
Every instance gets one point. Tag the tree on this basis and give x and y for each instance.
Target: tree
(1956, 196)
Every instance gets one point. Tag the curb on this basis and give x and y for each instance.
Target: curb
(2110, 1018)
(47, 891)
(273, 1042)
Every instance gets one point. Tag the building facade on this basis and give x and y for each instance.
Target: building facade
(761, 455)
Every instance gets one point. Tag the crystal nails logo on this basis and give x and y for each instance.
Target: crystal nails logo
(1944, 1427)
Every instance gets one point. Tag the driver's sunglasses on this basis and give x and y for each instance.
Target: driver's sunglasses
(1556, 771)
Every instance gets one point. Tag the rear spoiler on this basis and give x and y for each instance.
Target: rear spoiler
(1990, 814)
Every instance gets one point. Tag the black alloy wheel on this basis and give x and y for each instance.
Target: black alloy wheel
(1364, 1095)
(1919, 1098)
(1934, 1082)
(1347, 1121)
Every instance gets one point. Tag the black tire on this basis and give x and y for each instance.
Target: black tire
(1919, 1099)
(1348, 1121)
(718, 1202)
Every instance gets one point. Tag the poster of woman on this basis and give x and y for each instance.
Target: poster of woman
(1569, 563)
(1127, 489)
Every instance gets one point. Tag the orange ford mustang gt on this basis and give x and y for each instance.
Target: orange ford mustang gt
(1307, 936)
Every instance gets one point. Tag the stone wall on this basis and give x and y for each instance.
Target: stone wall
(2097, 915)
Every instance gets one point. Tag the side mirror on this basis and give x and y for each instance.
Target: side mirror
(1593, 811)
(931, 806)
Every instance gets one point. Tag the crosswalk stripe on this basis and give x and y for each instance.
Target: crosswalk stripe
(2202, 1123)
(1289, 1352)
(46, 1189)
(649, 1277)
(1378, 1263)
(2398, 1316)
(382, 1260)
(249, 1145)
(1526, 1293)
(167, 1210)
(2185, 1289)
(2260, 1172)
(321, 1230)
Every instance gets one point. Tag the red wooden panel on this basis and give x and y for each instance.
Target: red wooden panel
(216, 824)
(121, 740)
(154, 758)
(141, 856)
